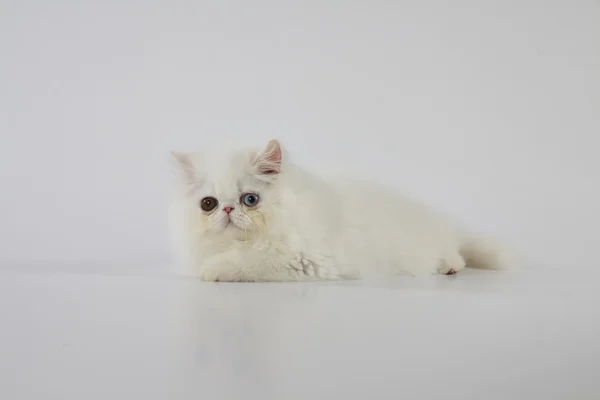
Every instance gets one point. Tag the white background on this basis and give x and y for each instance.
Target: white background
(489, 110)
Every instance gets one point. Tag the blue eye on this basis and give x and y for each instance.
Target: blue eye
(250, 199)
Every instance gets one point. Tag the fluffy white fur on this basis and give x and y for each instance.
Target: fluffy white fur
(307, 227)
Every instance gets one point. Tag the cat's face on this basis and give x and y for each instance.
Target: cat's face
(232, 193)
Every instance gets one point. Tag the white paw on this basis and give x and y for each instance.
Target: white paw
(297, 263)
(303, 265)
(451, 265)
(211, 272)
(320, 267)
(308, 268)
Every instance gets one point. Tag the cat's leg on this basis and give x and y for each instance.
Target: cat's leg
(258, 266)
(319, 266)
(233, 267)
(451, 263)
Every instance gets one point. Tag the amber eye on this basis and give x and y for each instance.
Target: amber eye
(208, 203)
(250, 199)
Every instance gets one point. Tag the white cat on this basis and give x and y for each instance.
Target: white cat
(245, 215)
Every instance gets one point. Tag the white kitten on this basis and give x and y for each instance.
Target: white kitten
(254, 216)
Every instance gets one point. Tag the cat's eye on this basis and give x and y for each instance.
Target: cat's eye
(208, 203)
(250, 199)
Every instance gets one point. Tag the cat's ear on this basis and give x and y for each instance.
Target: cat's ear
(269, 161)
(183, 164)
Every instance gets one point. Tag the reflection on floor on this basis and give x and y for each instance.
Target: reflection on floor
(524, 334)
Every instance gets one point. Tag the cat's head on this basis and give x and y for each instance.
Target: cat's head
(232, 194)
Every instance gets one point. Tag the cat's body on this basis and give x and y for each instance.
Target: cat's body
(304, 227)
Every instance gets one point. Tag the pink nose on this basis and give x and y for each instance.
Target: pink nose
(228, 209)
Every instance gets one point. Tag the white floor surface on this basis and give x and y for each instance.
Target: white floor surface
(477, 335)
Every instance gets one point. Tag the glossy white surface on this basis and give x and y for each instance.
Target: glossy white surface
(479, 335)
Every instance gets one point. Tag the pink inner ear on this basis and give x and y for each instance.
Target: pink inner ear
(269, 163)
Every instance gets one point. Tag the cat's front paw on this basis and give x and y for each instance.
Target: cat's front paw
(303, 265)
(213, 272)
(315, 268)
(209, 275)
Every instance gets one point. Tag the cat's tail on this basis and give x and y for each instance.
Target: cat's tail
(485, 253)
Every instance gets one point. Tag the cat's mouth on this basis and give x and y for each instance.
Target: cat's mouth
(231, 225)
(240, 233)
